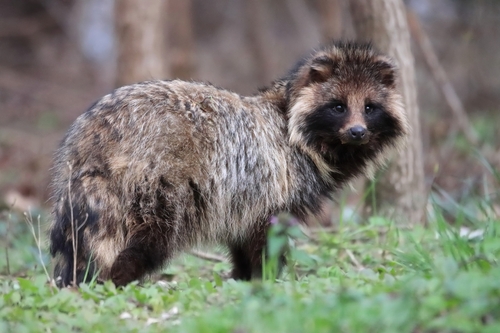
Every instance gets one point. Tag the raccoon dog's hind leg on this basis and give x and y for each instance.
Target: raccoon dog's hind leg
(152, 225)
(148, 248)
(73, 220)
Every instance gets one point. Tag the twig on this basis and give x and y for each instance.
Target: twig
(74, 232)
(318, 230)
(73, 241)
(441, 78)
(354, 260)
(38, 241)
(207, 256)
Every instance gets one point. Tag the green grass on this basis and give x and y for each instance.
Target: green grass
(373, 277)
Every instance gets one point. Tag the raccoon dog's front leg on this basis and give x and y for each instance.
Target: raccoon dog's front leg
(246, 254)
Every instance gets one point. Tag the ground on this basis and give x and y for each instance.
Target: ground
(373, 277)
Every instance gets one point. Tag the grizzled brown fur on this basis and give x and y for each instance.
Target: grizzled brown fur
(162, 166)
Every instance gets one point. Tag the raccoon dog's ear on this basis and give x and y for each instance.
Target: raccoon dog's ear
(321, 69)
(386, 71)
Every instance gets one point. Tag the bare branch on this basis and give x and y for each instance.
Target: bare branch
(441, 78)
(73, 236)
(207, 256)
(38, 241)
(354, 260)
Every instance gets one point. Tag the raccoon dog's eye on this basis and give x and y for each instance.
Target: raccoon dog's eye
(369, 108)
(339, 108)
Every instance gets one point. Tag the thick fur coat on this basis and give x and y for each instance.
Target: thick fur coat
(159, 167)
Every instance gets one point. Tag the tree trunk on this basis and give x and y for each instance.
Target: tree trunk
(140, 32)
(258, 39)
(181, 39)
(400, 189)
(330, 15)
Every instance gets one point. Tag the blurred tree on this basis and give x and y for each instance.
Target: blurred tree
(258, 38)
(181, 39)
(304, 21)
(400, 190)
(140, 32)
(330, 13)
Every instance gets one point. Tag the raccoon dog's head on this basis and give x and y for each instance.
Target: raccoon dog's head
(343, 100)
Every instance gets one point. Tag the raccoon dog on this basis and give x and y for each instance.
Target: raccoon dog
(158, 167)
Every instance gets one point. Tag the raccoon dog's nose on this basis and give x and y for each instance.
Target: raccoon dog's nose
(357, 132)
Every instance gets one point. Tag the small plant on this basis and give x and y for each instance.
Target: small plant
(37, 236)
(283, 228)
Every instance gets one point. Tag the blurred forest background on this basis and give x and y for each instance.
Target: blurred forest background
(58, 56)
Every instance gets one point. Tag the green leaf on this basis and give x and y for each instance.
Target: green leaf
(15, 297)
(217, 279)
(27, 285)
